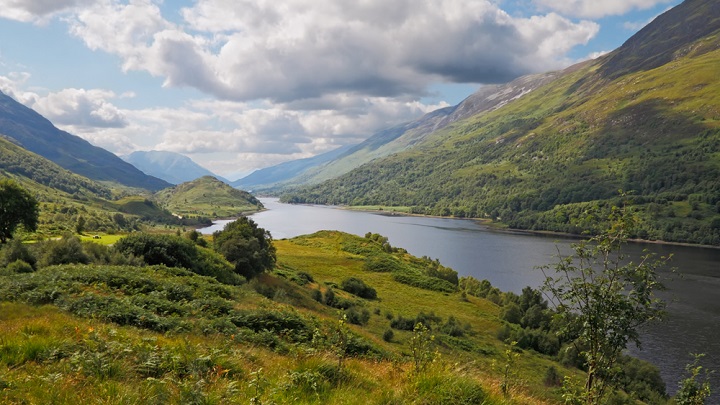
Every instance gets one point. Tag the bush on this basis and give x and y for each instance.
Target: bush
(67, 250)
(382, 264)
(422, 281)
(176, 251)
(14, 251)
(358, 287)
(248, 247)
(388, 335)
(17, 267)
(357, 317)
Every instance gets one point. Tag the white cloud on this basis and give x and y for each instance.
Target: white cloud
(80, 108)
(598, 8)
(293, 50)
(38, 11)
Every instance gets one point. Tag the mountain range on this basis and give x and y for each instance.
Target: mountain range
(169, 166)
(35, 133)
(539, 152)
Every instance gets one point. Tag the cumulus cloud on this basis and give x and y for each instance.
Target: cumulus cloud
(80, 108)
(597, 8)
(36, 10)
(306, 49)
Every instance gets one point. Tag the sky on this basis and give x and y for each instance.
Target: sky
(239, 85)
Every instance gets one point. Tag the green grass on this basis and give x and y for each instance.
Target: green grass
(72, 334)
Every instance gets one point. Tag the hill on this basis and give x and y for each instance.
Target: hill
(169, 166)
(36, 134)
(207, 197)
(300, 334)
(71, 203)
(539, 161)
(327, 166)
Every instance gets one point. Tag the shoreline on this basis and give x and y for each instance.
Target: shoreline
(494, 226)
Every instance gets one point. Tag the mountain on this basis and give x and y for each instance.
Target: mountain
(29, 168)
(36, 134)
(65, 197)
(169, 166)
(389, 141)
(644, 118)
(207, 197)
(271, 176)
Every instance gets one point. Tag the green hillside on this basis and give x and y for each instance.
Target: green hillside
(572, 144)
(207, 197)
(67, 199)
(301, 334)
(36, 134)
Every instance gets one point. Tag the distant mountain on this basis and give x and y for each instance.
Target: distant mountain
(389, 141)
(169, 166)
(644, 118)
(279, 174)
(207, 197)
(36, 134)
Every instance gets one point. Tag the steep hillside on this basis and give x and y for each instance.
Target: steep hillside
(543, 159)
(28, 167)
(171, 167)
(36, 134)
(393, 140)
(207, 197)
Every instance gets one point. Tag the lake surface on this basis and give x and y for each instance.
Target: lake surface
(508, 260)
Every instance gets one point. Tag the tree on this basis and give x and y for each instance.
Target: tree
(604, 298)
(692, 391)
(17, 207)
(247, 246)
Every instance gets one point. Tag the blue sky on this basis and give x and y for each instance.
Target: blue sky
(244, 84)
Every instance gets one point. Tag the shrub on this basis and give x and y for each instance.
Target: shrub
(176, 251)
(382, 264)
(19, 266)
(67, 250)
(14, 251)
(388, 335)
(358, 287)
(357, 317)
(248, 247)
(422, 281)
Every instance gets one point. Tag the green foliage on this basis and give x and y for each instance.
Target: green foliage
(448, 388)
(388, 335)
(16, 267)
(693, 391)
(422, 348)
(356, 286)
(176, 251)
(17, 207)
(67, 250)
(14, 251)
(611, 297)
(248, 247)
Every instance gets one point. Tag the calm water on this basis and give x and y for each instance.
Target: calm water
(508, 261)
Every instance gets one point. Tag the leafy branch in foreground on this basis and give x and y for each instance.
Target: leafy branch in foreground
(604, 298)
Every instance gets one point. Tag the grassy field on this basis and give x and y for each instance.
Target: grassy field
(120, 334)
